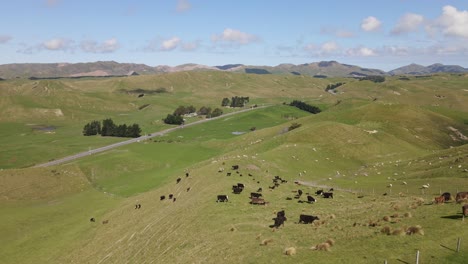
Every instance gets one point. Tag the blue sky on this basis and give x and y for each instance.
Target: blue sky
(376, 34)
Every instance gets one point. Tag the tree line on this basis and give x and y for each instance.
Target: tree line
(236, 101)
(333, 86)
(177, 117)
(305, 107)
(109, 128)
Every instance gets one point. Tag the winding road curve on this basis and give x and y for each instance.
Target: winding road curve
(138, 139)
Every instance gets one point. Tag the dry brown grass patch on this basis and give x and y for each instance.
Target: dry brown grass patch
(265, 242)
(408, 215)
(412, 230)
(398, 232)
(386, 218)
(386, 230)
(290, 251)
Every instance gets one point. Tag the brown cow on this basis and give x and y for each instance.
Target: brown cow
(461, 196)
(439, 199)
(465, 210)
(259, 201)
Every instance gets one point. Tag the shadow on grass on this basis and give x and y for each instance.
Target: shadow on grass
(453, 217)
(451, 249)
(402, 261)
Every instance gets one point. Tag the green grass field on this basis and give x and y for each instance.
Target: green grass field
(375, 144)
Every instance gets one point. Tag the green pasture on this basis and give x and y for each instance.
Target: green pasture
(375, 144)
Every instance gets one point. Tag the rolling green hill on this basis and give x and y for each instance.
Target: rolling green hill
(375, 144)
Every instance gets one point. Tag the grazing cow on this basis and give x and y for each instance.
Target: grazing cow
(310, 199)
(331, 190)
(259, 201)
(447, 196)
(186, 174)
(439, 199)
(235, 167)
(236, 189)
(178, 180)
(92, 219)
(255, 195)
(188, 189)
(170, 196)
(105, 222)
(288, 198)
(307, 219)
(299, 192)
(461, 196)
(279, 221)
(259, 189)
(281, 213)
(228, 174)
(250, 174)
(319, 192)
(222, 198)
(137, 206)
(241, 185)
(465, 210)
(173, 200)
(162, 197)
(283, 181)
(272, 187)
(327, 195)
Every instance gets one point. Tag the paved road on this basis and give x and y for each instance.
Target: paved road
(133, 140)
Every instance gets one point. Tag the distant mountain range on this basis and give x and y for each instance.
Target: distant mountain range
(320, 69)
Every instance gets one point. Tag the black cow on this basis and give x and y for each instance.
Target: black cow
(137, 206)
(279, 221)
(162, 197)
(327, 195)
(310, 199)
(188, 189)
(173, 200)
(222, 198)
(228, 174)
(240, 185)
(319, 192)
(331, 190)
(255, 195)
(447, 196)
(186, 174)
(281, 213)
(237, 189)
(235, 167)
(259, 189)
(299, 192)
(92, 219)
(170, 196)
(178, 180)
(307, 219)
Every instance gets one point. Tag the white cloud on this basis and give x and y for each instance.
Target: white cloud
(341, 33)
(4, 39)
(190, 46)
(170, 44)
(235, 37)
(329, 47)
(183, 5)
(93, 46)
(408, 23)
(57, 44)
(370, 24)
(453, 22)
(396, 50)
(361, 52)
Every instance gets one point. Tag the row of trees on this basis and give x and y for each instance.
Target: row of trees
(177, 118)
(373, 78)
(236, 101)
(108, 128)
(333, 86)
(306, 107)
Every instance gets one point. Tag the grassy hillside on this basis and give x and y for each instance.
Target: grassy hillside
(375, 144)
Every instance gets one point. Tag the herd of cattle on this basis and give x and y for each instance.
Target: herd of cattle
(256, 198)
(459, 198)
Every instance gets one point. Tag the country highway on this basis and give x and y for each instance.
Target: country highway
(138, 139)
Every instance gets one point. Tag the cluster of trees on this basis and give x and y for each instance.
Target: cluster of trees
(306, 107)
(374, 78)
(333, 86)
(108, 128)
(236, 101)
(177, 118)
